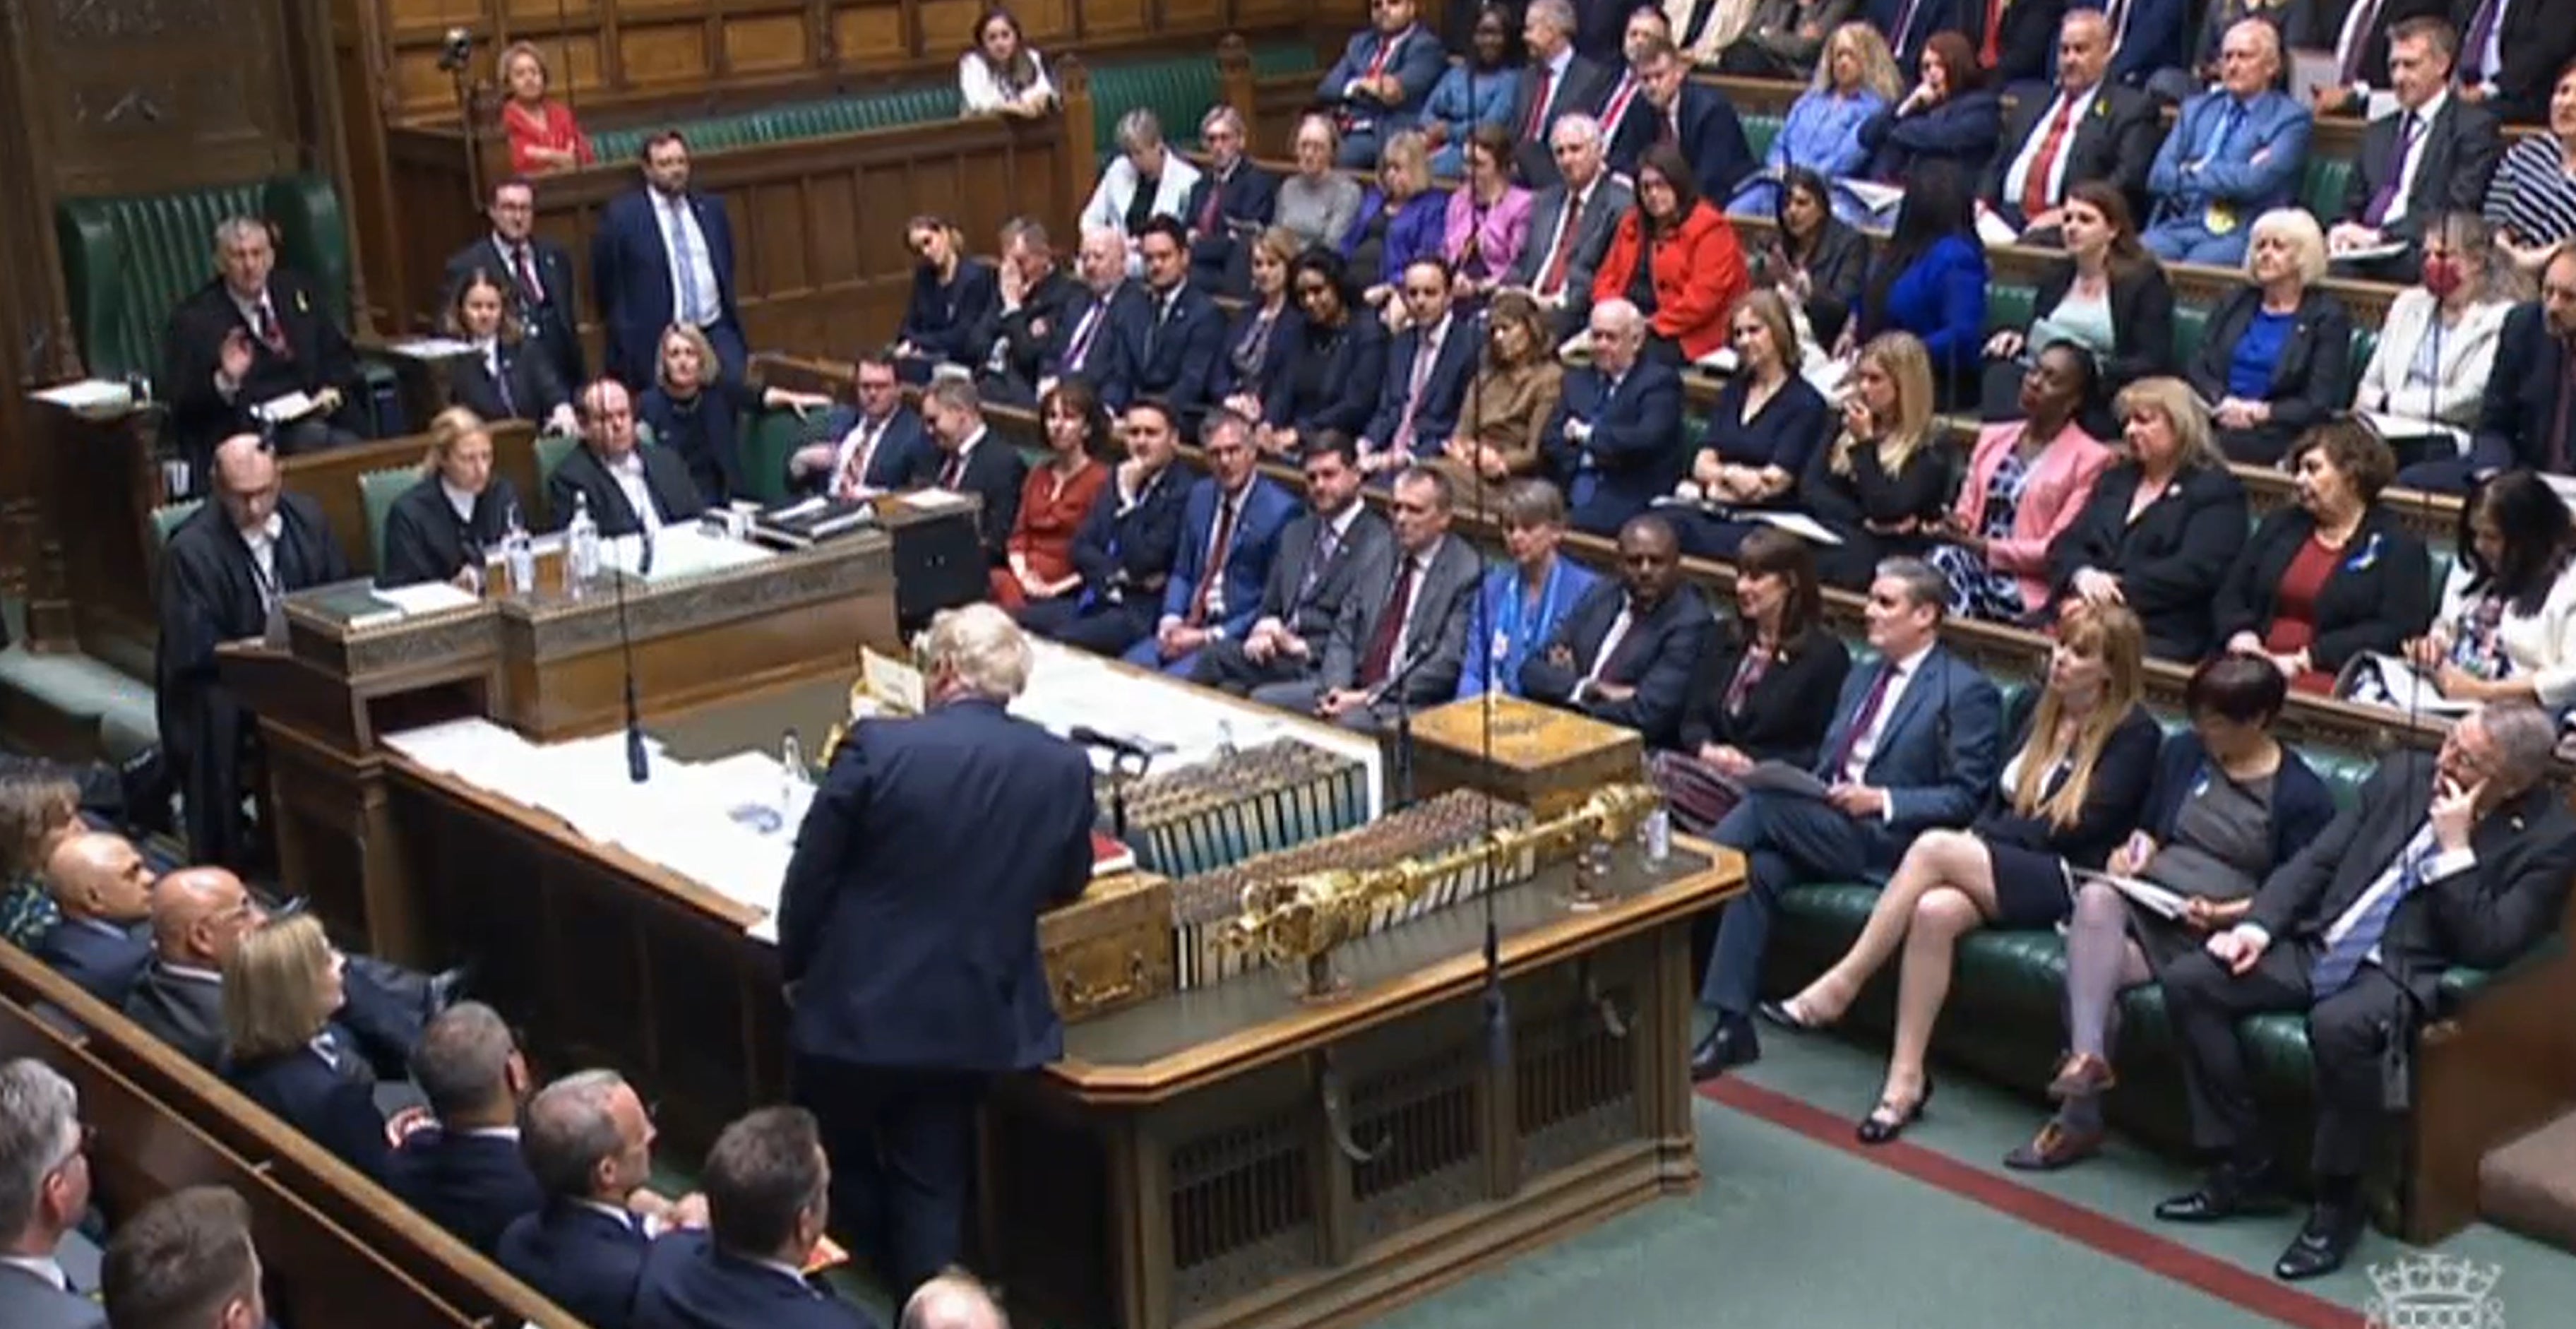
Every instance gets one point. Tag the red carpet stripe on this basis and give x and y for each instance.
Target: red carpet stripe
(2250, 1290)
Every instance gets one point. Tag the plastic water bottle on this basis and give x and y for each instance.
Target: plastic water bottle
(1655, 833)
(520, 553)
(799, 776)
(581, 544)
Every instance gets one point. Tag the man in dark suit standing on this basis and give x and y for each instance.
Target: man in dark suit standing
(2510, 55)
(465, 1172)
(2528, 417)
(1557, 83)
(1400, 639)
(1230, 527)
(1034, 295)
(627, 488)
(1320, 558)
(2434, 154)
(1695, 118)
(1571, 225)
(873, 447)
(2459, 858)
(1126, 546)
(2363, 44)
(965, 458)
(1164, 346)
(907, 936)
(664, 255)
(536, 271)
(103, 890)
(1912, 747)
(589, 1144)
(768, 1196)
(251, 337)
(1428, 369)
(1626, 653)
(1615, 443)
(2088, 128)
(1232, 201)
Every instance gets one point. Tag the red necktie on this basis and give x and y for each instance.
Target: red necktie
(1385, 48)
(1553, 275)
(1208, 211)
(528, 288)
(1617, 106)
(1991, 50)
(1390, 624)
(2034, 186)
(854, 472)
(1219, 549)
(271, 332)
(1862, 719)
(1538, 104)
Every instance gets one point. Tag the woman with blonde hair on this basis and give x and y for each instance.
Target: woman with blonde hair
(697, 412)
(1883, 484)
(2069, 796)
(441, 528)
(1265, 332)
(1399, 220)
(543, 135)
(1517, 384)
(1855, 79)
(283, 1050)
(2163, 526)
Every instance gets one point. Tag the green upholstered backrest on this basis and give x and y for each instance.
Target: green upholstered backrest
(129, 259)
(2365, 342)
(887, 109)
(551, 451)
(1178, 90)
(1760, 131)
(769, 438)
(377, 491)
(166, 518)
(2191, 324)
(2343, 772)
(2010, 305)
(2322, 191)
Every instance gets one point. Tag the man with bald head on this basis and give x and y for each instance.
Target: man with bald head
(2239, 151)
(954, 1300)
(1616, 442)
(224, 577)
(103, 890)
(627, 488)
(1083, 347)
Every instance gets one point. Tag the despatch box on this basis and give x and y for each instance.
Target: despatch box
(1543, 758)
(1110, 949)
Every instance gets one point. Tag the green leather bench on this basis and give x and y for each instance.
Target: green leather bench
(2321, 189)
(1759, 133)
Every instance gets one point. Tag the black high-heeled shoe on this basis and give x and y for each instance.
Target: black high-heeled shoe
(1878, 1129)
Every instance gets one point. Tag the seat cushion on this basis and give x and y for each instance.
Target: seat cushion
(769, 438)
(377, 491)
(166, 518)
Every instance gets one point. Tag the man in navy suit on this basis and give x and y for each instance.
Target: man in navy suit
(1163, 346)
(1615, 443)
(768, 1196)
(2147, 39)
(42, 1148)
(589, 1144)
(1695, 118)
(1318, 568)
(1232, 201)
(2527, 418)
(1912, 747)
(907, 938)
(2088, 126)
(1428, 369)
(1625, 655)
(1558, 82)
(537, 271)
(966, 458)
(1126, 546)
(1230, 530)
(1908, 24)
(1400, 640)
(871, 448)
(664, 255)
(1384, 76)
(103, 889)
(465, 1173)
(1082, 347)
(627, 487)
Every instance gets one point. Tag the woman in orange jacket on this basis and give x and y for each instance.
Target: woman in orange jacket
(1676, 259)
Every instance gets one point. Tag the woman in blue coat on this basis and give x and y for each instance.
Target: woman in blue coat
(1931, 281)
(1476, 91)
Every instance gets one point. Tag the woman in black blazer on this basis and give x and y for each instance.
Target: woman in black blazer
(952, 295)
(2106, 275)
(1264, 333)
(2278, 354)
(697, 413)
(1765, 687)
(1814, 259)
(440, 528)
(1333, 372)
(282, 1050)
(2163, 527)
(1883, 483)
(2333, 576)
(525, 385)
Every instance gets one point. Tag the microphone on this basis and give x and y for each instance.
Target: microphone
(638, 764)
(1128, 748)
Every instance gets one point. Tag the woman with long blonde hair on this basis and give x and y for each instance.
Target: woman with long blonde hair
(1883, 483)
(284, 1051)
(2069, 796)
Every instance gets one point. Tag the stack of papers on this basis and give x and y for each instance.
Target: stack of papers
(428, 597)
(287, 407)
(680, 551)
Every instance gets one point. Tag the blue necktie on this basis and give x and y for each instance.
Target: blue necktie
(688, 301)
(2342, 960)
(2227, 127)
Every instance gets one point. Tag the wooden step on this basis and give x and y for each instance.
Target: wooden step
(2530, 1184)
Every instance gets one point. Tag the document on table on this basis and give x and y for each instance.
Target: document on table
(428, 597)
(1994, 230)
(2145, 894)
(431, 348)
(680, 551)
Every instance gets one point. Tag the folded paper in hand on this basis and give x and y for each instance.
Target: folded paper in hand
(2145, 894)
(1780, 777)
(287, 407)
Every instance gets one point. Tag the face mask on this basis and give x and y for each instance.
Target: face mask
(2442, 276)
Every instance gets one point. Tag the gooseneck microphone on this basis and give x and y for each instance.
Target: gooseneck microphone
(638, 765)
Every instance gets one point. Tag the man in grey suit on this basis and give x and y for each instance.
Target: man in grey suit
(1401, 637)
(44, 1190)
(1571, 223)
(1319, 561)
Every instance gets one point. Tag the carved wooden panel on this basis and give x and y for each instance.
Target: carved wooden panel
(133, 95)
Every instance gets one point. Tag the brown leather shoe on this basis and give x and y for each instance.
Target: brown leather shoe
(2081, 1075)
(2054, 1147)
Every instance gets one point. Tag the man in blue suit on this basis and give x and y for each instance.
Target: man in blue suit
(1693, 117)
(1163, 346)
(1125, 547)
(1908, 24)
(907, 938)
(2238, 152)
(1626, 654)
(1428, 370)
(466, 1173)
(1082, 347)
(870, 448)
(1615, 443)
(1378, 86)
(2147, 39)
(43, 1153)
(768, 1195)
(103, 889)
(1520, 605)
(1912, 747)
(664, 255)
(1230, 530)
(589, 1143)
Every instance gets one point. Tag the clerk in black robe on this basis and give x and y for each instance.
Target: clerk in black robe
(221, 574)
(456, 514)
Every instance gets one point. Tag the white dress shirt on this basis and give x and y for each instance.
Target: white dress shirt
(44, 1267)
(1417, 567)
(458, 500)
(262, 543)
(1610, 643)
(2437, 865)
(628, 472)
(2017, 179)
(1865, 745)
(859, 446)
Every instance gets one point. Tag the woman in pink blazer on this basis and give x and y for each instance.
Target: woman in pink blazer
(1489, 220)
(2027, 481)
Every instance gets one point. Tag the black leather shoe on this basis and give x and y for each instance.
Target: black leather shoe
(1730, 1042)
(1885, 1122)
(2228, 1192)
(2322, 1245)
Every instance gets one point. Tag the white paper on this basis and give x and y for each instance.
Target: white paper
(2389, 426)
(1994, 230)
(2408, 690)
(89, 396)
(2145, 894)
(428, 597)
(935, 499)
(1872, 195)
(892, 680)
(1723, 360)
(290, 406)
(681, 551)
(2370, 253)
(431, 348)
(1795, 523)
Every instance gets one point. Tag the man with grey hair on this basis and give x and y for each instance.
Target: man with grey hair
(589, 1144)
(2460, 857)
(1912, 747)
(1571, 222)
(1557, 83)
(1035, 294)
(44, 1190)
(907, 935)
(965, 458)
(1230, 204)
(253, 335)
(2237, 152)
(954, 1300)
(465, 1172)
(1079, 346)
(1399, 640)
(1146, 179)
(1615, 442)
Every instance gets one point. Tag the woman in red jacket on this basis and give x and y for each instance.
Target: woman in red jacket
(543, 135)
(1676, 259)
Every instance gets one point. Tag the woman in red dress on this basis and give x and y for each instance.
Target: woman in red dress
(1056, 498)
(543, 135)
